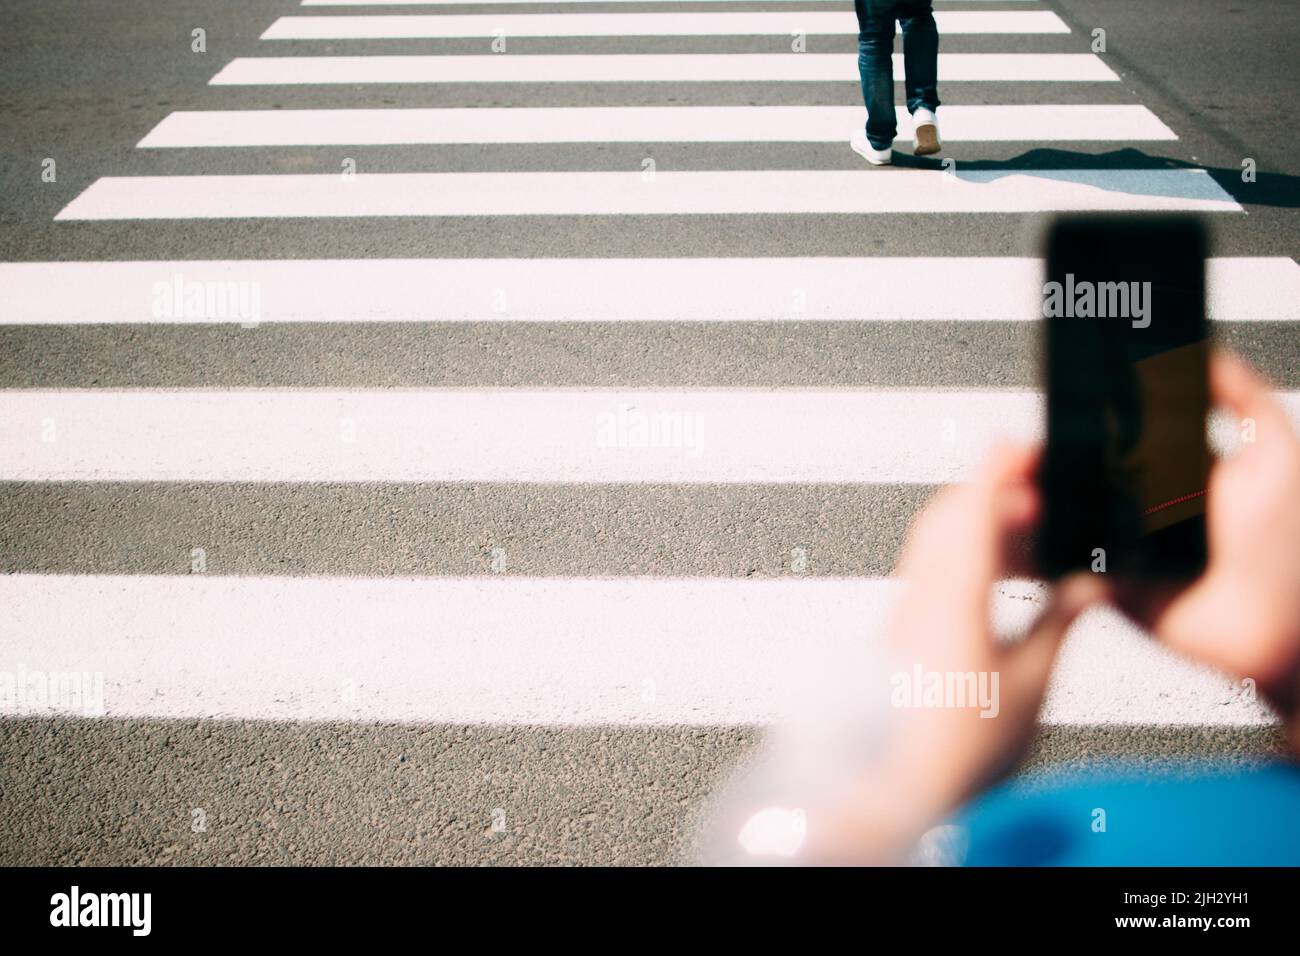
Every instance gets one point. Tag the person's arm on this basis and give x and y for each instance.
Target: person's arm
(938, 757)
(1242, 615)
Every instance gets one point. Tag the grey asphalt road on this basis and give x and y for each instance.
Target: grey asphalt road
(97, 792)
(83, 82)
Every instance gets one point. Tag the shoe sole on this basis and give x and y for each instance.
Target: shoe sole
(927, 140)
(873, 162)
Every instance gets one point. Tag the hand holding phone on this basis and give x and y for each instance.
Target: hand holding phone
(1204, 554)
(1126, 464)
(1242, 615)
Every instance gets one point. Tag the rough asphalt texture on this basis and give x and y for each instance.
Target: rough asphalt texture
(82, 82)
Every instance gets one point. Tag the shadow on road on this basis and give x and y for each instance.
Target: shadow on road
(1268, 189)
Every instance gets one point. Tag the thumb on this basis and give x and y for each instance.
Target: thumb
(1031, 660)
(1237, 386)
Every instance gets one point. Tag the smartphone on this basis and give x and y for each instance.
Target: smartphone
(1124, 470)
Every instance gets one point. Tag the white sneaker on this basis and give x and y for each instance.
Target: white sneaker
(876, 157)
(927, 132)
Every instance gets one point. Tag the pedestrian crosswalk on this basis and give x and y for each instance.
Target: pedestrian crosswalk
(739, 23)
(793, 288)
(589, 436)
(646, 192)
(433, 3)
(613, 647)
(644, 68)
(634, 124)
(546, 651)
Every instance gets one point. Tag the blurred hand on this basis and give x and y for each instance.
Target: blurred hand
(959, 547)
(1243, 614)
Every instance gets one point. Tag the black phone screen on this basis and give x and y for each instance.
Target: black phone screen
(1124, 471)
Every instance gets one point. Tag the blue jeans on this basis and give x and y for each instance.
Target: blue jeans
(876, 64)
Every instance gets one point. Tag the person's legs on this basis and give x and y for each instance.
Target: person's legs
(920, 55)
(876, 68)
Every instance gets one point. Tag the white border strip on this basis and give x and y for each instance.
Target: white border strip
(438, 3)
(626, 652)
(957, 289)
(646, 68)
(736, 23)
(637, 124)
(922, 436)
(571, 193)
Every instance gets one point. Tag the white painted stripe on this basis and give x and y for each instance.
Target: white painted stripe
(646, 68)
(637, 124)
(738, 23)
(436, 3)
(581, 290)
(532, 651)
(1248, 289)
(501, 435)
(509, 435)
(628, 193)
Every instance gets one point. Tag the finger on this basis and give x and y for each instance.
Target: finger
(1009, 464)
(1246, 394)
(958, 545)
(1021, 559)
(1194, 626)
(1015, 505)
(1020, 462)
(1143, 601)
(1020, 505)
(1030, 661)
(957, 513)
